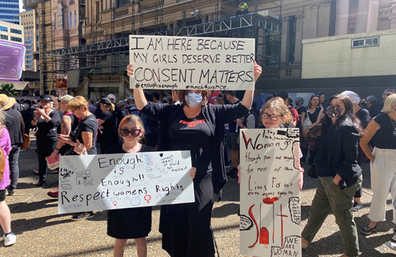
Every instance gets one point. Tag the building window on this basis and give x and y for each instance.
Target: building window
(29, 52)
(16, 39)
(365, 42)
(4, 37)
(30, 62)
(16, 31)
(70, 20)
(3, 28)
(75, 19)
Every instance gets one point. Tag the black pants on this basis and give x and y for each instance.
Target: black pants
(13, 158)
(244, 12)
(45, 146)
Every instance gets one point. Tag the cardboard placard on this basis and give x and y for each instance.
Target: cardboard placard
(193, 63)
(270, 195)
(117, 181)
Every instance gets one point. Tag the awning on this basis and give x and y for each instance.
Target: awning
(18, 85)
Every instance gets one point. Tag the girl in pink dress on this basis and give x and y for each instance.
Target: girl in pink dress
(5, 215)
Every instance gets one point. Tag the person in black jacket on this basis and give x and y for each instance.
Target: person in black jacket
(13, 122)
(196, 126)
(47, 120)
(339, 174)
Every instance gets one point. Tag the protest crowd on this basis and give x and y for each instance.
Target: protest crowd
(336, 136)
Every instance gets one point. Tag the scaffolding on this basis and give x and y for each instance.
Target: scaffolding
(100, 56)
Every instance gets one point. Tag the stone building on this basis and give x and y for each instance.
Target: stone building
(102, 27)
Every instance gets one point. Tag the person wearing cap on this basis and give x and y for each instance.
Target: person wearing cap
(364, 117)
(13, 122)
(117, 111)
(107, 122)
(47, 120)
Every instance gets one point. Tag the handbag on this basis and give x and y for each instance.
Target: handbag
(315, 132)
(307, 122)
(25, 137)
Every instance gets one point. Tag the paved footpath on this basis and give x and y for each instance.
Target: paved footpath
(42, 232)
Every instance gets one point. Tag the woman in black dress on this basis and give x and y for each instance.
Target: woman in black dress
(312, 119)
(107, 125)
(47, 120)
(193, 125)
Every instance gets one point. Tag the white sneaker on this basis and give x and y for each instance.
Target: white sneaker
(391, 245)
(10, 239)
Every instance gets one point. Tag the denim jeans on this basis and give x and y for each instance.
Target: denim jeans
(14, 166)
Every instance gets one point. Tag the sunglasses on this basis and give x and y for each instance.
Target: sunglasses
(133, 132)
(270, 116)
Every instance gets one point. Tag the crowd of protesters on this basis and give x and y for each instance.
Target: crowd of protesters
(336, 137)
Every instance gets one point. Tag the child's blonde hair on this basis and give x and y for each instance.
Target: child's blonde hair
(277, 105)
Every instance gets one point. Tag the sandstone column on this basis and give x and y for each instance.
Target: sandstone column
(299, 35)
(342, 17)
(362, 15)
(314, 21)
(324, 19)
(372, 19)
(285, 33)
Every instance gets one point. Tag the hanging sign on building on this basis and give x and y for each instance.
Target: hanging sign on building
(193, 63)
(270, 196)
(118, 181)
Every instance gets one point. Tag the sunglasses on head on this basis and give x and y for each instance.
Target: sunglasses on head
(133, 132)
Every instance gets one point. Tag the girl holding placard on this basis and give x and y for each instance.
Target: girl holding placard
(273, 115)
(132, 223)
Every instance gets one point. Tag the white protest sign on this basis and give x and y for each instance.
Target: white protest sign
(270, 195)
(117, 181)
(193, 63)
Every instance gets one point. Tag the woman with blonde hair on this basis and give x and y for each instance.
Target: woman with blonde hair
(84, 136)
(107, 125)
(68, 125)
(381, 133)
(5, 214)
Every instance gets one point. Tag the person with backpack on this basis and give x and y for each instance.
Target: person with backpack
(5, 214)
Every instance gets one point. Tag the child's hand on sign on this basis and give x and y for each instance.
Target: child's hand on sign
(239, 174)
(301, 182)
(193, 170)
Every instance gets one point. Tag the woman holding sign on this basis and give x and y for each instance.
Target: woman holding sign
(339, 174)
(196, 126)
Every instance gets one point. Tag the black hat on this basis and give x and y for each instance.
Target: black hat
(105, 101)
(282, 94)
(45, 98)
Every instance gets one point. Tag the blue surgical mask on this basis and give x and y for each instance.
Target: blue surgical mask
(193, 99)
